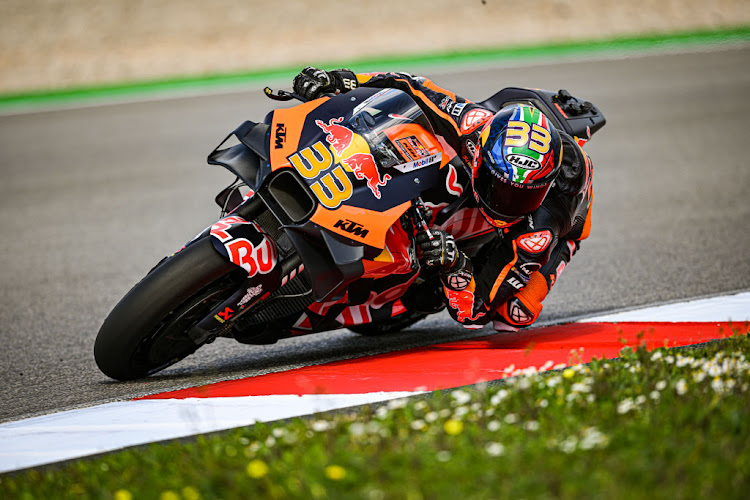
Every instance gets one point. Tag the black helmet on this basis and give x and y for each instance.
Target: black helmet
(517, 159)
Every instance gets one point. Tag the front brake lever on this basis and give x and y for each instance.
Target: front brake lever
(283, 95)
(420, 210)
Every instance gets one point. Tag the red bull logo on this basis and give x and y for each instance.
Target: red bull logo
(339, 137)
(364, 168)
(463, 303)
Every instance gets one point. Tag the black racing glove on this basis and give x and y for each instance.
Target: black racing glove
(441, 251)
(312, 82)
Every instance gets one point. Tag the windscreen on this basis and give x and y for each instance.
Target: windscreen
(387, 109)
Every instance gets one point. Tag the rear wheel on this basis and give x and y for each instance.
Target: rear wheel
(147, 330)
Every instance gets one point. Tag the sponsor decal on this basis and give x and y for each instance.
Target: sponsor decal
(351, 227)
(332, 186)
(451, 182)
(417, 164)
(535, 242)
(412, 147)
(463, 303)
(339, 137)
(457, 108)
(220, 228)
(473, 119)
(451, 107)
(252, 292)
(259, 257)
(523, 161)
(254, 260)
(280, 136)
(446, 104)
(349, 84)
(512, 281)
(364, 168)
(224, 315)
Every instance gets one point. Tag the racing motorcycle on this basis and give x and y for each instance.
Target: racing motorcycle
(316, 233)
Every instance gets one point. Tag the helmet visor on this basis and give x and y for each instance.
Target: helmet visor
(504, 202)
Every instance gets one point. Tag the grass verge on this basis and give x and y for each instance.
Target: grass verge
(661, 424)
(618, 45)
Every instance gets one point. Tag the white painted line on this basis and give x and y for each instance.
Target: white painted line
(79, 433)
(725, 308)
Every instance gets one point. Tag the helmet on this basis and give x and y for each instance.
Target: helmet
(513, 168)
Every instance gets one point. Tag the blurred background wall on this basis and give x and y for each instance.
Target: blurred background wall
(47, 44)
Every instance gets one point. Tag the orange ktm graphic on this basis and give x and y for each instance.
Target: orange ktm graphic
(374, 225)
(291, 121)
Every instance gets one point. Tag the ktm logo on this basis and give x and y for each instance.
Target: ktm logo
(352, 227)
(280, 136)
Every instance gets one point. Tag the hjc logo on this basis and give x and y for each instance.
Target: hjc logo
(351, 227)
(523, 162)
(280, 136)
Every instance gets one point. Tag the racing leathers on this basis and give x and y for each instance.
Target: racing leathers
(506, 279)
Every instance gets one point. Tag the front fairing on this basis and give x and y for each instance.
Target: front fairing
(327, 140)
(341, 172)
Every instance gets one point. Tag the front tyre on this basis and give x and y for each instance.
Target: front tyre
(147, 330)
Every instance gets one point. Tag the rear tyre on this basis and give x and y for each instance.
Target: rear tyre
(147, 330)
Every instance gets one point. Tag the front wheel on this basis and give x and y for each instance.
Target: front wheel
(147, 330)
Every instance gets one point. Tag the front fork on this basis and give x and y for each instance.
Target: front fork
(244, 243)
(253, 290)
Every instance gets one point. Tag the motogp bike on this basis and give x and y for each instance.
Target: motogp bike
(316, 233)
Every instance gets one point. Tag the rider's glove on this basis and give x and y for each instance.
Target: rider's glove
(312, 82)
(440, 251)
(455, 268)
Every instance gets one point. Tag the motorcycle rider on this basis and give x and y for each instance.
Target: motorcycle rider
(530, 182)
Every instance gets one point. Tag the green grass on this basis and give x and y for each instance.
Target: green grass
(191, 83)
(663, 424)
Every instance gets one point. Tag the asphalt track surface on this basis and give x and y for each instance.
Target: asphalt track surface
(92, 197)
